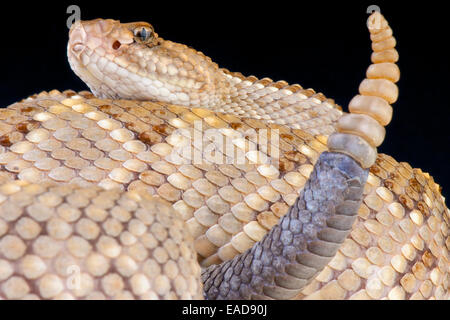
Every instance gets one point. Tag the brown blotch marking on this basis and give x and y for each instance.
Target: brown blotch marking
(164, 114)
(378, 171)
(294, 88)
(375, 170)
(393, 186)
(116, 45)
(161, 112)
(303, 135)
(280, 84)
(131, 126)
(28, 109)
(235, 125)
(406, 201)
(422, 206)
(5, 141)
(389, 184)
(69, 93)
(309, 92)
(150, 137)
(338, 107)
(295, 156)
(428, 259)
(86, 94)
(313, 113)
(279, 209)
(239, 75)
(286, 165)
(393, 176)
(152, 106)
(163, 129)
(152, 178)
(106, 108)
(27, 126)
(287, 136)
(255, 124)
(415, 185)
(411, 193)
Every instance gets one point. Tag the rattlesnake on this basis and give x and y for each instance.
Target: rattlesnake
(129, 192)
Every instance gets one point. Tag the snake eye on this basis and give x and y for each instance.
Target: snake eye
(143, 34)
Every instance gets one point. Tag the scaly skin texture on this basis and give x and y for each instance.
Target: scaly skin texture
(90, 243)
(397, 247)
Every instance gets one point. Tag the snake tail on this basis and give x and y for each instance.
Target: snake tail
(362, 131)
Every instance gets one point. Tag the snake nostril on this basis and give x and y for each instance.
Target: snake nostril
(116, 45)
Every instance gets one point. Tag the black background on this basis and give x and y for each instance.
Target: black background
(321, 45)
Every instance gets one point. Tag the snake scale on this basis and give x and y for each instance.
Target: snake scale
(129, 193)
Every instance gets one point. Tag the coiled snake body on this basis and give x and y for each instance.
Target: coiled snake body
(127, 193)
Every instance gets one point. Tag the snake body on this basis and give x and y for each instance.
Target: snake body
(128, 193)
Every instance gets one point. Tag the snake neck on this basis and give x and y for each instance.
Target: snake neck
(278, 103)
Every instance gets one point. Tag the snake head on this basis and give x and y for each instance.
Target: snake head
(129, 61)
(109, 35)
(97, 48)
